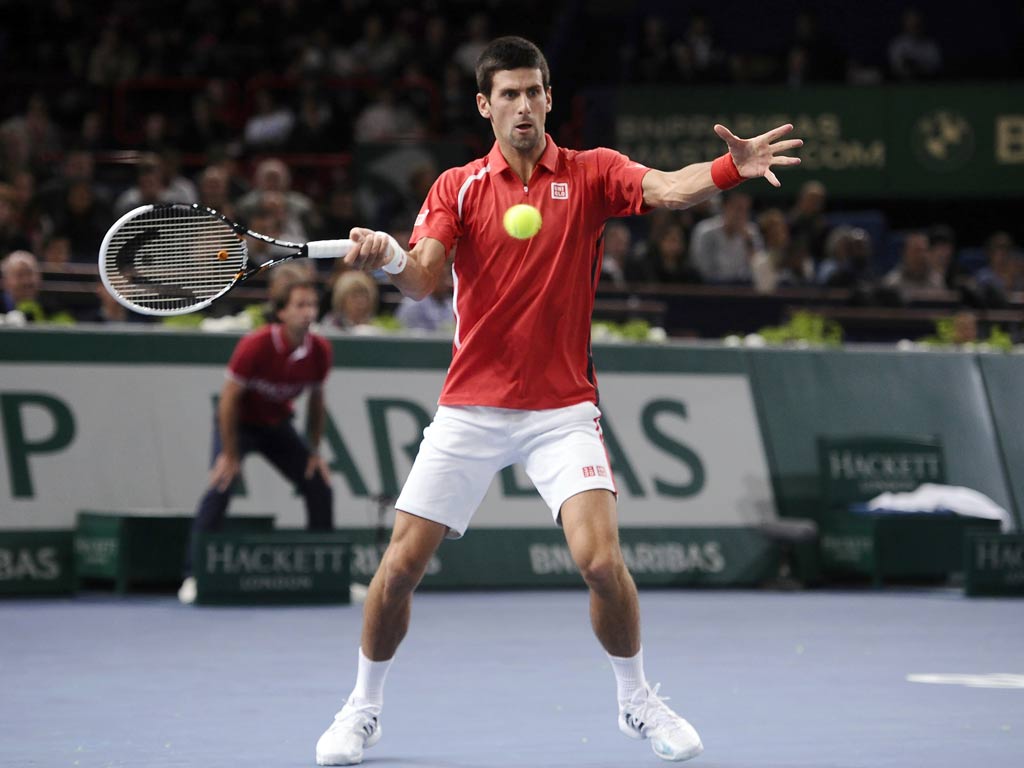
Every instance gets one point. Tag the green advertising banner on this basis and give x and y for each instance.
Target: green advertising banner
(871, 141)
(36, 562)
(995, 565)
(488, 558)
(283, 567)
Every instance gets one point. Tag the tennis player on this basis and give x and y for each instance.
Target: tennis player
(521, 386)
(269, 368)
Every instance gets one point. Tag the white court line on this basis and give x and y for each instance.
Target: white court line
(986, 680)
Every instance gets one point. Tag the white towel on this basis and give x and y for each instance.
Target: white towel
(933, 497)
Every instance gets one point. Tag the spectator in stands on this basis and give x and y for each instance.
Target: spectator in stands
(313, 131)
(435, 50)
(618, 243)
(434, 313)
(701, 42)
(266, 221)
(965, 328)
(942, 253)
(822, 58)
(340, 214)
(83, 220)
(287, 226)
(808, 227)
(912, 54)
(111, 60)
(22, 290)
(26, 210)
(847, 262)
(271, 123)
(12, 236)
(723, 246)
(477, 36)
(914, 275)
(78, 165)
(21, 280)
(652, 58)
(205, 129)
(272, 175)
(179, 188)
(150, 187)
(665, 259)
(57, 251)
(376, 53)
(108, 310)
(214, 190)
(779, 263)
(33, 138)
(385, 119)
(354, 302)
(1004, 273)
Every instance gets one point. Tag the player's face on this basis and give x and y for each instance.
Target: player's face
(517, 108)
(300, 312)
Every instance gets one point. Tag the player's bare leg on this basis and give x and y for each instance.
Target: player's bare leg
(590, 522)
(385, 622)
(389, 599)
(591, 527)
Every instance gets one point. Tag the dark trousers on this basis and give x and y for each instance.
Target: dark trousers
(289, 454)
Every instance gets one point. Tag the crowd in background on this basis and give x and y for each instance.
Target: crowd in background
(236, 93)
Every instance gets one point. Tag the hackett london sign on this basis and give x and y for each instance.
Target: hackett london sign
(280, 567)
(995, 565)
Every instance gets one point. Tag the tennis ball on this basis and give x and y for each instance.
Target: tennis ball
(522, 221)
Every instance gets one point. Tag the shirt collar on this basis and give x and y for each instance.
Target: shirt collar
(549, 159)
(281, 344)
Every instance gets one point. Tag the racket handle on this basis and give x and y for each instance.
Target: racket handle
(328, 249)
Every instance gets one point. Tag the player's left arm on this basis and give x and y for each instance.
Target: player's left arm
(746, 159)
(316, 417)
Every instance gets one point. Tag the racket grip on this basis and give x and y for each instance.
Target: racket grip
(328, 249)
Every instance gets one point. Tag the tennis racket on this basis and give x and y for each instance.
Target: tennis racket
(172, 258)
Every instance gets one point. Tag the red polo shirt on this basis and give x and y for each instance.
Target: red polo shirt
(523, 307)
(274, 374)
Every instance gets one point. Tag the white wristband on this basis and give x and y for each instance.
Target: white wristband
(399, 258)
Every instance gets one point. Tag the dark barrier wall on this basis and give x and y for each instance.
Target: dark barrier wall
(678, 441)
(803, 394)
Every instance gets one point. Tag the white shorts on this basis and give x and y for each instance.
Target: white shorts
(562, 450)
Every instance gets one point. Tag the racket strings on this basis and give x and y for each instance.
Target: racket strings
(173, 258)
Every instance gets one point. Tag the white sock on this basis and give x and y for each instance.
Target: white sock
(629, 674)
(370, 680)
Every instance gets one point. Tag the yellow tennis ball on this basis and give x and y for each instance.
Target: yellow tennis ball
(522, 221)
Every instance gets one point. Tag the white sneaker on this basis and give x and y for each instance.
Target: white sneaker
(355, 728)
(646, 716)
(187, 590)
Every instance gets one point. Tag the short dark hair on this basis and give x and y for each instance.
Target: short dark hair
(285, 279)
(509, 53)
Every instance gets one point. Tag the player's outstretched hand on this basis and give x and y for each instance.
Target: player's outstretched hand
(755, 157)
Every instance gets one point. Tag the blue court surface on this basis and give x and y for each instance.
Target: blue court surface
(770, 679)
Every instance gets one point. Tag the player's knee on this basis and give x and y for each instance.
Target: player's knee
(601, 570)
(402, 571)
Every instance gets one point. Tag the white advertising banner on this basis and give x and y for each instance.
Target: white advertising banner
(685, 448)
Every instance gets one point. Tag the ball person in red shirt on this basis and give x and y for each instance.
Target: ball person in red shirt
(269, 368)
(521, 386)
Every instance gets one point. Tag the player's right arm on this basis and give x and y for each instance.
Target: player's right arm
(423, 268)
(227, 464)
